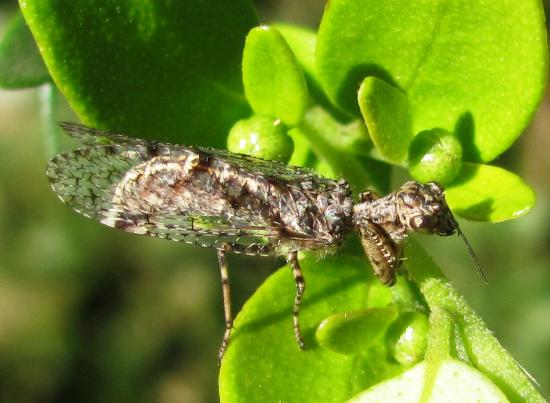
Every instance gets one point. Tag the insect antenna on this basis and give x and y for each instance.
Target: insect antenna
(472, 255)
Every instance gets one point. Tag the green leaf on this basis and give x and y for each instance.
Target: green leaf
(303, 43)
(21, 65)
(385, 109)
(435, 156)
(475, 68)
(407, 337)
(274, 83)
(352, 332)
(454, 382)
(263, 361)
(167, 70)
(488, 193)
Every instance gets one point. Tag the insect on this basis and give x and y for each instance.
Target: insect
(240, 204)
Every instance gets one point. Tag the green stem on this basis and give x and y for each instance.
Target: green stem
(350, 137)
(439, 342)
(483, 349)
(48, 114)
(323, 134)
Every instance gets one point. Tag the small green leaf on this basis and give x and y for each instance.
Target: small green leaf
(263, 362)
(354, 331)
(274, 83)
(435, 156)
(476, 68)
(21, 65)
(488, 193)
(454, 382)
(407, 338)
(168, 70)
(385, 109)
(302, 41)
(261, 137)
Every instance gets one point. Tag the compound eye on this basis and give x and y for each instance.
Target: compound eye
(423, 225)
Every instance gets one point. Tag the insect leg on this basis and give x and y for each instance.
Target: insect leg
(383, 253)
(300, 288)
(226, 304)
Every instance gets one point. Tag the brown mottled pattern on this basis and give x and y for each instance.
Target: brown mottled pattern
(202, 196)
(385, 222)
(235, 202)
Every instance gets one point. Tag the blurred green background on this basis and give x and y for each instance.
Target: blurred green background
(91, 314)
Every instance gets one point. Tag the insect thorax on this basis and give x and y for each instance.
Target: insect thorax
(383, 223)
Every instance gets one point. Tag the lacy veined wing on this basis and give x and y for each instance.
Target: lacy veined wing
(177, 192)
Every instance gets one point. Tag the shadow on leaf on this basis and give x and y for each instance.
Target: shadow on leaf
(347, 96)
(465, 130)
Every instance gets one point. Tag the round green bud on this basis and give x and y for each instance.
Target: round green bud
(435, 155)
(261, 137)
(407, 338)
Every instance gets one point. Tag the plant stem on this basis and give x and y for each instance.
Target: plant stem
(483, 349)
(439, 338)
(324, 136)
(48, 113)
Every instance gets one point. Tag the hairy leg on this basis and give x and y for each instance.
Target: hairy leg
(300, 288)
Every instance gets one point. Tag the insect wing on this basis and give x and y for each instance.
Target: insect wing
(277, 171)
(90, 136)
(87, 180)
(84, 178)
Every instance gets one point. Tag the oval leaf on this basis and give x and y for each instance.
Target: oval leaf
(351, 332)
(21, 65)
(385, 109)
(263, 361)
(454, 382)
(473, 67)
(168, 70)
(274, 83)
(488, 193)
(302, 41)
(407, 337)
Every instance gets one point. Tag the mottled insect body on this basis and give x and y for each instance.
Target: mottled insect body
(239, 204)
(383, 223)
